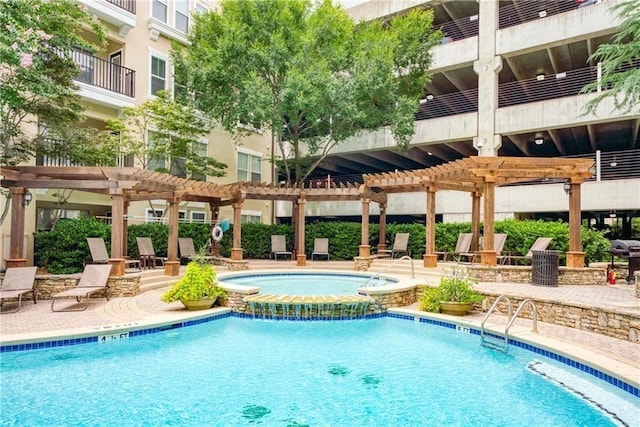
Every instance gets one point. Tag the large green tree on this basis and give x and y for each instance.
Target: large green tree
(307, 73)
(620, 61)
(37, 93)
(166, 136)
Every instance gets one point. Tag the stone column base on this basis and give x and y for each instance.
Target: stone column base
(362, 263)
(301, 260)
(430, 261)
(172, 268)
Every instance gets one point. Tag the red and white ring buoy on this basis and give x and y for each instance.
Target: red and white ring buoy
(216, 233)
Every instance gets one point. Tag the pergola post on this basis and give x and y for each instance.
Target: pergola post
(215, 212)
(382, 232)
(575, 255)
(475, 220)
(172, 266)
(236, 249)
(301, 255)
(294, 221)
(365, 248)
(430, 256)
(117, 232)
(488, 254)
(125, 229)
(16, 244)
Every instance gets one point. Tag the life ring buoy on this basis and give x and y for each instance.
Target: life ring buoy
(217, 233)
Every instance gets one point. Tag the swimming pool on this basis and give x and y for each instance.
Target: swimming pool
(307, 283)
(234, 371)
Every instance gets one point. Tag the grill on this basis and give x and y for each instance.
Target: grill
(629, 250)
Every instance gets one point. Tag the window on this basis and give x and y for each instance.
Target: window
(250, 219)
(200, 149)
(158, 74)
(182, 15)
(198, 216)
(200, 8)
(153, 215)
(160, 10)
(249, 167)
(179, 167)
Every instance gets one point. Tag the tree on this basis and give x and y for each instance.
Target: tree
(164, 135)
(620, 61)
(307, 73)
(37, 94)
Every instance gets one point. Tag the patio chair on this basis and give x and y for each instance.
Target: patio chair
(279, 247)
(148, 258)
(320, 248)
(100, 255)
(498, 245)
(18, 281)
(188, 250)
(540, 244)
(400, 243)
(93, 280)
(462, 246)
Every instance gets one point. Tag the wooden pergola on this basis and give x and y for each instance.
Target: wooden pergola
(477, 175)
(480, 176)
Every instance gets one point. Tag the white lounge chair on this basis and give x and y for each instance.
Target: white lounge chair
(279, 247)
(320, 248)
(17, 282)
(93, 280)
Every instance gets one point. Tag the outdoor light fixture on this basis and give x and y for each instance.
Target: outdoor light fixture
(567, 187)
(26, 200)
(614, 162)
(429, 97)
(540, 76)
(539, 141)
(422, 101)
(612, 214)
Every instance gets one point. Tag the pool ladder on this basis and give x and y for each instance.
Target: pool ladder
(395, 261)
(501, 342)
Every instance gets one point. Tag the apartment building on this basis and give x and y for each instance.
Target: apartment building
(134, 65)
(506, 82)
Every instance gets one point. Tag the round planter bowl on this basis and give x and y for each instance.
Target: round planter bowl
(199, 304)
(455, 308)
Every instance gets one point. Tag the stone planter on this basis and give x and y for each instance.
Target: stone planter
(199, 304)
(454, 308)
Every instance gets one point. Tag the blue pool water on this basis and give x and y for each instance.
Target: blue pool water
(282, 283)
(243, 372)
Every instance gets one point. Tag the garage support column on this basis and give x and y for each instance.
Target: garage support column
(487, 68)
(365, 248)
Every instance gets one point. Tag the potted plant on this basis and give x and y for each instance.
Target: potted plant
(198, 289)
(454, 295)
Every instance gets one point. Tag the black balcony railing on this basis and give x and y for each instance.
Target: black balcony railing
(460, 29)
(523, 11)
(107, 75)
(447, 105)
(128, 5)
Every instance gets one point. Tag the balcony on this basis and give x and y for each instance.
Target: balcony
(104, 82)
(121, 13)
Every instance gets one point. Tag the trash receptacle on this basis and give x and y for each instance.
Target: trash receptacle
(544, 268)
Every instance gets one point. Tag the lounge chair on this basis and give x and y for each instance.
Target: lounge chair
(279, 247)
(148, 258)
(462, 246)
(540, 244)
(93, 280)
(320, 248)
(498, 245)
(18, 281)
(188, 250)
(100, 255)
(400, 244)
